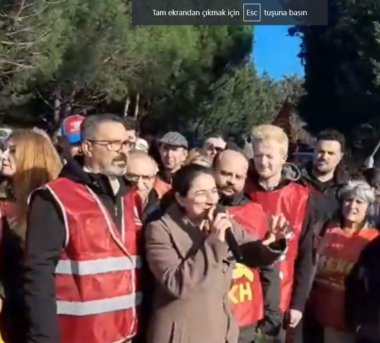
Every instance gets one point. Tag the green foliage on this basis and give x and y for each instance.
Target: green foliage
(257, 100)
(342, 67)
(57, 56)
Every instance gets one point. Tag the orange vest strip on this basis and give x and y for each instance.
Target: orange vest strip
(97, 277)
(338, 251)
(246, 293)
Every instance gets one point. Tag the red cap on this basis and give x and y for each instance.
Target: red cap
(71, 128)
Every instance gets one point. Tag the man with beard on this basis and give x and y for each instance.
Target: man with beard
(82, 246)
(173, 149)
(255, 293)
(325, 173)
(279, 195)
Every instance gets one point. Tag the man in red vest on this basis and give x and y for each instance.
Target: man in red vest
(255, 294)
(279, 195)
(82, 262)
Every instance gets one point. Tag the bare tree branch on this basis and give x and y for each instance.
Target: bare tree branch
(16, 64)
(21, 8)
(29, 44)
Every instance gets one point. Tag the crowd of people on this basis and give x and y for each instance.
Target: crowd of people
(110, 238)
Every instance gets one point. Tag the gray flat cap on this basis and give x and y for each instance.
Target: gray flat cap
(174, 139)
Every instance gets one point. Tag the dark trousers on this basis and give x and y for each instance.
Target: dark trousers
(247, 334)
(365, 340)
(250, 335)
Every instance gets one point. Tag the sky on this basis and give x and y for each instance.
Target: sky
(275, 52)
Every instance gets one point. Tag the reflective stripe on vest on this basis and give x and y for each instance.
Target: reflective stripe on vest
(87, 308)
(97, 292)
(106, 265)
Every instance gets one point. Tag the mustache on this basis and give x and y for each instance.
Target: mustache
(121, 158)
(228, 187)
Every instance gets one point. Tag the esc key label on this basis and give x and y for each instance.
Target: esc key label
(252, 13)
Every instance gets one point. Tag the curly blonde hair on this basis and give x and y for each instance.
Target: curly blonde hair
(269, 132)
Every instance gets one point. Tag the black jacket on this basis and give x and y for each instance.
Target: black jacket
(13, 314)
(270, 282)
(44, 243)
(330, 189)
(362, 297)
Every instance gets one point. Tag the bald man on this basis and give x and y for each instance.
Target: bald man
(142, 172)
(259, 309)
(231, 171)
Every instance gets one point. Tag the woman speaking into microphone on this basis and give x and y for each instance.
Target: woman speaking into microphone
(189, 256)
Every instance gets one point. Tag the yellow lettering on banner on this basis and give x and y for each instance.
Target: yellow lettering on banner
(240, 271)
(242, 292)
(341, 266)
(330, 265)
(334, 264)
(232, 294)
(245, 292)
(338, 266)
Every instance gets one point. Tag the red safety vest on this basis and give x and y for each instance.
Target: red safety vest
(97, 286)
(291, 201)
(161, 187)
(246, 293)
(339, 250)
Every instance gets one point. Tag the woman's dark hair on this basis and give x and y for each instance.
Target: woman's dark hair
(372, 176)
(185, 176)
(333, 135)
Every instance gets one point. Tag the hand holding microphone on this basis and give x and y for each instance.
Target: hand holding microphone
(221, 226)
(219, 223)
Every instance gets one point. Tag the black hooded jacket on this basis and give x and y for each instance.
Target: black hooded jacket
(330, 189)
(362, 298)
(44, 243)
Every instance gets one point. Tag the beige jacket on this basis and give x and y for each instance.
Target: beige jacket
(193, 274)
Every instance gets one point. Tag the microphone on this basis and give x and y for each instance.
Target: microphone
(230, 238)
